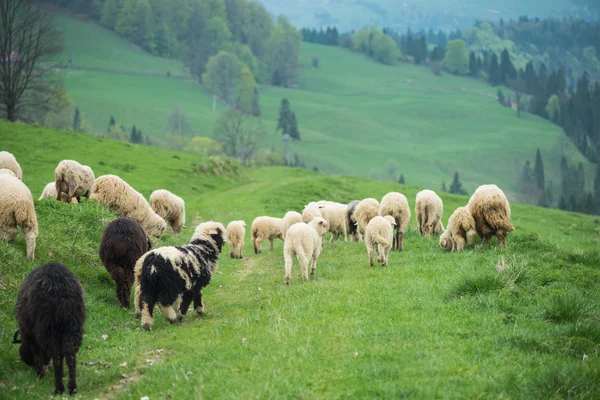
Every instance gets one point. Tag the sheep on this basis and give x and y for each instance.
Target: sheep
(125, 201)
(379, 236)
(265, 228)
(310, 212)
(50, 191)
(170, 207)
(174, 276)
(365, 211)
(73, 179)
(51, 315)
(8, 161)
(123, 243)
(336, 216)
(289, 219)
(352, 229)
(460, 229)
(236, 232)
(16, 209)
(429, 209)
(304, 240)
(396, 205)
(491, 211)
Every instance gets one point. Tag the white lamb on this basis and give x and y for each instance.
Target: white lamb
(429, 209)
(8, 161)
(336, 216)
(235, 234)
(379, 237)
(289, 219)
(73, 179)
(265, 228)
(460, 230)
(395, 205)
(170, 207)
(304, 240)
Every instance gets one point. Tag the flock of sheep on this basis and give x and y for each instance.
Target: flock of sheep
(172, 277)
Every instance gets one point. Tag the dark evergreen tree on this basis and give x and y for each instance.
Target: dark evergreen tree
(256, 103)
(473, 65)
(494, 75)
(538, 171)
(507, 69)
(401, 179)
(293, 127)
(111, 123)
(456, 186)
(438, 53)
(77, 120)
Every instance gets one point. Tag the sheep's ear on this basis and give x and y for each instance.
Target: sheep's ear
(214, 231)
(184, 227)
(321, 222)
(16, 338)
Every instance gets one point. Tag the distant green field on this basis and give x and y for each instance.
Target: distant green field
(354, 115)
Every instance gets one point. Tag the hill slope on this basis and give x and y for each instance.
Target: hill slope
(433, 324)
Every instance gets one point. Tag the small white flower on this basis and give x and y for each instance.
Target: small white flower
(104, 336)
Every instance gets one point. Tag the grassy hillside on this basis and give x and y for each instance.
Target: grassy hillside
(433, 324)
(354, 115)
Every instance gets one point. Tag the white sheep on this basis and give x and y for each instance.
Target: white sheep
(491, 211)
(170, 207)
(125, 201)
(73, 179)
(235, 234)
(50, 191)
(8, 161)
(460, 229)
(304, 240)
(16, 209)
(365, 211)
(265, 228)
(310, 212)
(429, 209)
(289, 219)
(379, 237)
(396, 205)
(336, 216)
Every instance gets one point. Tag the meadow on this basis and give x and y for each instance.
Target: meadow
(354, 115)
(431, 325)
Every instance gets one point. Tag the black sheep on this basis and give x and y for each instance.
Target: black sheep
(173, 276)
(352, 228)
(51, 314)
(123, 243)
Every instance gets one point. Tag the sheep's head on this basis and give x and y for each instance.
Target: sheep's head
(212, 230)
(446, 241)
(149, 243)
(320, 225)
(391, 220)
(158, 227)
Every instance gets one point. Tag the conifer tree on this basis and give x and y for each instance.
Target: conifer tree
(456, 186)
(538, 171)
(111, 123)
(494, 76)
(401, 180)
(77, 120)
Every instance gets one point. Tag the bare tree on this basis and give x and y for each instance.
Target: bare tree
(29, 46)
(239, 135)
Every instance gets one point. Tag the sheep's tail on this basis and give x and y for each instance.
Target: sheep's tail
(498, 220)
(254, 241)
(381, 240)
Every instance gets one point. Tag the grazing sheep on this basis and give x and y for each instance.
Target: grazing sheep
(123, 243)
(429, 209)
(236, 232)
(304, 240)
(460, 229)
(51, 315)
(365, 211)
(379, 236)
(73, 179)
(289, 219)
(16, 209)
(174, 276)
(491, 211)
(8, 161)
(170, 207)
(352, 229)
(310, 212)
(396, 205)
(336, 216)
(50, 191)
(265, 228)
(125, 201)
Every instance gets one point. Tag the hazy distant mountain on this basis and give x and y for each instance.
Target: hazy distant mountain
(437, 14)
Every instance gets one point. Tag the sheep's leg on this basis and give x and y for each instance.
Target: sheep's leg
(271, 244)
(72, 364)
(137, 301)
(147, 307)
(399, 238)
(460, 243)
(288, 267)
(122, 285)
(30, 239)
(370, 254)
(470, 235)
(381, 255)
(334, 237)
(169, 312)
(313, 269)
(186, 301)
(254, 245)
(501, 238)
(9, 234)
(57, 363)
(198, 304)
(303, 260)
(257, 246)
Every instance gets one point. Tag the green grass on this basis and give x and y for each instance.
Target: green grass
(431, 325)
(354, 115)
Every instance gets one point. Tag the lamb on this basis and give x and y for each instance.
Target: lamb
(365, 211)
(236, 232)
(50, 191)
(460, 229)
(51, 315)
(304, 240)
(310, 212)
(336, 216)
(289, 219)
(379, 237)
(16, 209)
(428, 210)
(352, 229)
(265, 228)
(123, 243)
(8, 161)
(170, 207)
(491, 211)
(174, 276)
(396, 205)
(125, 201)
(73, 179)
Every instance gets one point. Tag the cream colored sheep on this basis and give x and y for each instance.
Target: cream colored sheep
(336, 216)
(460, 230)
(73, 179)
(365, 211)
(396, 205)
(379, 237)
(8, 161)
(289, 219)
(429, 209)
(265, 228)
(304, 240)
(50, 191)
(125, 201)
(491, 211)
(170, 207)
(235, 234)
(16, 209)
(310, 212)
